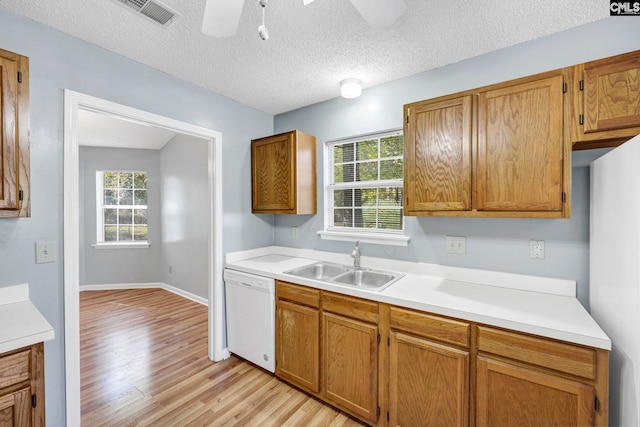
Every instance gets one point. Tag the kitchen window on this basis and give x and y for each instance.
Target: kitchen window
(121, 198)
(364, 189)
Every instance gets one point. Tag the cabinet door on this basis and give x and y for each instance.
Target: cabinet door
(612, 93)
(273, 173)
(297, 345)
(428, 383)
(350, 365)
(9, 142)
(15, 409)
(438, 156)
(520, 147)
(510, 395)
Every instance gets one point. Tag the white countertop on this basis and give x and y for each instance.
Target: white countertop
(21, 322)
(537, 305)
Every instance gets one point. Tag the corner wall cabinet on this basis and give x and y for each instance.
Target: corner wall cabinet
(283, 174)
(391, 366)
(497, 151)
(14, 135)
(22, 387)
(606, 111)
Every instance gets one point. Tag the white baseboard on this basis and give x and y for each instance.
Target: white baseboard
(166, 287)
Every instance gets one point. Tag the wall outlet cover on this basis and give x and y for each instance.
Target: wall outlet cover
(536, 249)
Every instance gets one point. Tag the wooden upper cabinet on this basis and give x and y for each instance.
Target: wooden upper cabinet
(606, 109)
(520, 165)
(438, 136)
(14, 135)
(283, 170)
(496, 151)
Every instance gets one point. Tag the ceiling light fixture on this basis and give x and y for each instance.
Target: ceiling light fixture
(350, 88)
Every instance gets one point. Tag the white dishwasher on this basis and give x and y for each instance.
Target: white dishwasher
(250, 305)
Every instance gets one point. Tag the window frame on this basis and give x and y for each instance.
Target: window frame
(377, 235)
(100, 238)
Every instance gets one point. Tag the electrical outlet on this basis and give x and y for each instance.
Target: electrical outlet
(294, 232)
(45, 252)
(456, 245)
(536, 249)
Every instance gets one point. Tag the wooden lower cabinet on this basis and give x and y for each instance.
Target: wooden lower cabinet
(22, 387)
(350, 364)
(388, 365)
(297, 339)
(428, 383)
(510, 395)
(15, 408)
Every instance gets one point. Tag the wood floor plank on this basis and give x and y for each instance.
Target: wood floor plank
(144, 362)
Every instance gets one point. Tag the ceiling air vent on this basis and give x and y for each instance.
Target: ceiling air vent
(151, 9)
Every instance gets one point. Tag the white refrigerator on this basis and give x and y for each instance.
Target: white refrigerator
(614, 288)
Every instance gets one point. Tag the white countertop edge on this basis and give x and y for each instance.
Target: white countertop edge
(26, 341)
(15, 293)
(598, 339)
(550, 285)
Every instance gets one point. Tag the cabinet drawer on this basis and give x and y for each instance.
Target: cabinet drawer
(430, 326)
(299, 294)
(355, 308)
(574, 360)
(14, 368)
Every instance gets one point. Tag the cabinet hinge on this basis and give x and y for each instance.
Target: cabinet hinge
(581, 119)
(20, 195)
(564, 197)
(19, 76)
(596, 404)
(33, 401)
(564, 87)
(378, 411)
(378, 338)
(581, 84)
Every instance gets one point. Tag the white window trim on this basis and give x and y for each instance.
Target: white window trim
(391, 237)
(139, 244)
(100, 243)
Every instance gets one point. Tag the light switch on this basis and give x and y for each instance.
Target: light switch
(45, 252)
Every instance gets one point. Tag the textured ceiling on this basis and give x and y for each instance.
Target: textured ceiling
(310, 48)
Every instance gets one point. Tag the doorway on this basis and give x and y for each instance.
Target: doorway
(75, 102)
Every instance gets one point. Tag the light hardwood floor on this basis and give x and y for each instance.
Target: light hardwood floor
(144, 362)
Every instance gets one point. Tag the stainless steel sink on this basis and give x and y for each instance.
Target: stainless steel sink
(319, 271)
(374, 280)
(365, 278)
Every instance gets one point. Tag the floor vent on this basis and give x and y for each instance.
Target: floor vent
(152, 10)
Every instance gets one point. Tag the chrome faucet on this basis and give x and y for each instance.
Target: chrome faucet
(355, 254)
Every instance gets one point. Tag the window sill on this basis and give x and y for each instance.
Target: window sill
(136, 245)
(376, 238)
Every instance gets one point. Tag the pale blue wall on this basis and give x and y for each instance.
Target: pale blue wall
(184, 165)
(109, 266)
(59, 61)
(493, 244)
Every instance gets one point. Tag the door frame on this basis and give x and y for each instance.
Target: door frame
(73, 102)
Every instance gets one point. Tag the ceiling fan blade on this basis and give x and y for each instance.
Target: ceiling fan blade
(380, 13)
(221, 17)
